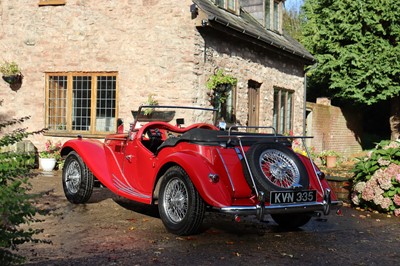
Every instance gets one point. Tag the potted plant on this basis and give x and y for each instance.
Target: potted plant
(150, 101)
(328, 158)
(49, 158)
(220, 85)
(149, 114)
(11, 72)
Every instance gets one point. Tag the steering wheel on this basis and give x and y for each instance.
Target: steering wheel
(153, 133)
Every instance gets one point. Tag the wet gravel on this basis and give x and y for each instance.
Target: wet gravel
(107, 231)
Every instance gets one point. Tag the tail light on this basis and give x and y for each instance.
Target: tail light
(321, 175)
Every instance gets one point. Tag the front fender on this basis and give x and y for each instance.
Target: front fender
(92, 153)
(198, 169)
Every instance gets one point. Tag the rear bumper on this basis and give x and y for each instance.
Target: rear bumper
(323, 207)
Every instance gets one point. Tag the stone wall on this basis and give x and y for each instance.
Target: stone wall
(152, 44)
(247, 62)
(149, 43)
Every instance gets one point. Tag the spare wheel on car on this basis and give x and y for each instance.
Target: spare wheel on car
(275, 167)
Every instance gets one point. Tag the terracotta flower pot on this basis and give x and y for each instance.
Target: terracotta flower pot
(330, 161)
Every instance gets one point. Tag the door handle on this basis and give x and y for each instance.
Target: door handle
(129, 158)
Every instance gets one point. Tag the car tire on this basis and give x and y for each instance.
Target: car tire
(180, 206)
(291, 221)
(77, 179)
(274, 168)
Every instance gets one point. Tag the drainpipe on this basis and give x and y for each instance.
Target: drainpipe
(305, 97)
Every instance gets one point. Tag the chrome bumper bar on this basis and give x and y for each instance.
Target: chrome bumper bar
(310, 207)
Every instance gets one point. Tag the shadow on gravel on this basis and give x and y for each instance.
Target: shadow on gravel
(149, 210)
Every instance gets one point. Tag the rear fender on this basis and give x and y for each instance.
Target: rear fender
(198, 169)
(314, 184)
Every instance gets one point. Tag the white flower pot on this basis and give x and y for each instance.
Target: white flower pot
(47, 164)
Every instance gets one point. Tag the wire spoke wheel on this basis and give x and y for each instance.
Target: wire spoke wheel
(73, 177)
(274, 167)
(180, 205)
(279, 169)
(176, 200)
(77, 179)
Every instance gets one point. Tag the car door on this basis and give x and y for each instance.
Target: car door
(138, 167)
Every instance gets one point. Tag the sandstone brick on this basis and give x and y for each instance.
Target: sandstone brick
(152, 44)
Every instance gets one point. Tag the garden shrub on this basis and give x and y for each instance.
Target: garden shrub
(16, 205)
(376, 184)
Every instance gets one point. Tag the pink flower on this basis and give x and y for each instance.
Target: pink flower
(386, 202)
(368, 193)
(385, 182)
(383, 162)
(396, 199)
(398, 177)
(392, 145)
(355, 199)
(359, 187)
(397, 212)
(378, 199)
(392, 170)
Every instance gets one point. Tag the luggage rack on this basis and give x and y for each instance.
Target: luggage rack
(246, 135)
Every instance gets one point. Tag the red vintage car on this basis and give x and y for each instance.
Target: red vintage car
(188, 170)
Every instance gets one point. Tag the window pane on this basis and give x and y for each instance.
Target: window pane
(267, 15)
(276, 16)
(57, 103)
(223, 101)
(288, 126)
(221, 3)
(105, 106)
(276, 109)
(232, 4)
(81, 102)
(229, 107)
(282, 113)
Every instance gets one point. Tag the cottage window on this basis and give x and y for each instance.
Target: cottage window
(224, 102)
(283, 110)
(266, 12)
(83, 103)
(230, 5)
(273, 14)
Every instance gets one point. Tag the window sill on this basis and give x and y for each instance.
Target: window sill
(75, 134)
(51, 2)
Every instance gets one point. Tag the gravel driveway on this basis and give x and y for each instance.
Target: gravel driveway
(104, 232)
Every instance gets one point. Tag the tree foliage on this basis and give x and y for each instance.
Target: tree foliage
(356, 44)
(16, 205)
(292, 24)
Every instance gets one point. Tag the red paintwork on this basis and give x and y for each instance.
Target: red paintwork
(123, 164)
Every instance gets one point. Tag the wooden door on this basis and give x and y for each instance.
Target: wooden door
(254, 103)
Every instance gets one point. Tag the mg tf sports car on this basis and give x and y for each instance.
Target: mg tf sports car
(189, 169)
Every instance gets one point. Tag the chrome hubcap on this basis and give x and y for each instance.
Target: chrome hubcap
(176, 200)
(73, 177)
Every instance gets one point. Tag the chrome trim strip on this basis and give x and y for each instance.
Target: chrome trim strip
(226, 170)
(248, 168)
(127, 189)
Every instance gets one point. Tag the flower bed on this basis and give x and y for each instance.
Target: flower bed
(376, 183)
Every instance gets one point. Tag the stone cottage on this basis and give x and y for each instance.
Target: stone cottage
(86, 63)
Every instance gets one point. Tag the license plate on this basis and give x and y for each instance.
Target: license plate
(279, 197)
